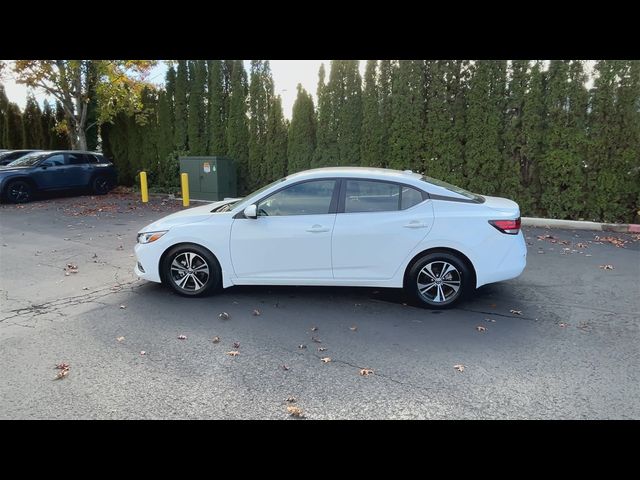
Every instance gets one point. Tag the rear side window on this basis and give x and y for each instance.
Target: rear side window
(371, 196)
(76, 159)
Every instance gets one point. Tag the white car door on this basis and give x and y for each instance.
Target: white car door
(291, 238)
(381, 224)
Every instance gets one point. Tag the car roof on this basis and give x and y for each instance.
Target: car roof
(71, 151)
(369, 172)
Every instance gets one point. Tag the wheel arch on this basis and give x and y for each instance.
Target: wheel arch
(7, 181)
(451, 251)
(183, 244)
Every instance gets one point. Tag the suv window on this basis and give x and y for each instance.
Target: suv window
(94, 158)
(373, 196)
(308, 198)
(76, 159)
(54, 160)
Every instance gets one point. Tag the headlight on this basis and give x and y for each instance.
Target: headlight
(148, 237)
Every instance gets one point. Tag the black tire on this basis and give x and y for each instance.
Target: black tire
(101, 185)
(442, 293)
(18, 191)
(191, 287)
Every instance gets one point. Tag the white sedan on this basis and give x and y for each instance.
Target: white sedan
(342, 226)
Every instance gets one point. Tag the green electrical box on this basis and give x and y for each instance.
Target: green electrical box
(210, 178)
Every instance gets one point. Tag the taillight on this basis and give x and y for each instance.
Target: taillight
(511, 227)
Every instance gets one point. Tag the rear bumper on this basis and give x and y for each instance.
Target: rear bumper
(511, 265)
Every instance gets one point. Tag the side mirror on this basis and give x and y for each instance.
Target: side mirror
(251, 211)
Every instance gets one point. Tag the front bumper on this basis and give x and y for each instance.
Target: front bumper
(148, 256)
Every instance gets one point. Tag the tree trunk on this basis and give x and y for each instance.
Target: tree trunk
(82, 140)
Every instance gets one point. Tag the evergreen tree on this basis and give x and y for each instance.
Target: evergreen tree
(4, 105)
(180, 106)
(237, 128)
(48, 124)
(533, 131)
(146, 123)
(216, 113)
(514, 136)
(197, 110)
(408, 115)
(302, 133)
(275, 156)
(165, 131)
(348, 112)
(327, 139)
(561, 167)
(385, 91)
(170, 89)
(13, 131)
(483, 148)
(60, 137)
(260, 98)
(371, 149)
(33, 138)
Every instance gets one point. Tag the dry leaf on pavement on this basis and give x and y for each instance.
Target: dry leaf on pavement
(143, 352)
(459, 368)
(284, 367)
(182, 337)
(321, 349)
(606, 267)
(480, 328)
(295, 411)
(224, 316)
(291, 399)
(562, 324)
(314, 329)
(353, 328)
(62, 374)
(516, 312)
(123, 307)
(233, 353)
(62, 366)
(325, 359)
(120, 339)
(365, 372)
(302, 345)
(256, 313)
(236, 345)
(215, 339)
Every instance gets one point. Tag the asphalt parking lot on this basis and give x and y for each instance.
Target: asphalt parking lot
(560, 342)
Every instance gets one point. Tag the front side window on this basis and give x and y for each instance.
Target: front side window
(54, 161)
(308, 198)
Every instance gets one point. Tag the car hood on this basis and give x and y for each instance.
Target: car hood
(191, 215)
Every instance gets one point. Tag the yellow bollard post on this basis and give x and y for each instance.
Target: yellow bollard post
(184, 180)
(143, 187)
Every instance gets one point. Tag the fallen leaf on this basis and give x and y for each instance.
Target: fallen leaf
(120, 248)
(321, 349)
(459, 368)
(581, 245)
(316, 340)
(182, 337)
(236, 345)
(284, 367)
(215, 339)
(143, 352)
(291, 399)
(85, 288)
(606, 267)
(63, 366)
(562, 324)
(480, 328)
(325, 359)
(62, 374)
(67, 274)
(224, 316)
(516, 312)
(295, 411)
(490, 320)
(365, 372)
(353, 328)
(95, 255)
(123, 307)
(120, 339)
(302, 345)
(233, 353)
(314, 329)
(256, 313)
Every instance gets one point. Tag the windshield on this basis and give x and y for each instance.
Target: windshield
(452, 188)
(231, 206)
(28, 160)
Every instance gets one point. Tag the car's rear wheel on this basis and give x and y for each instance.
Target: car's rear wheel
(101, 185)
(438, 280)
(191, 270)
(19, 191)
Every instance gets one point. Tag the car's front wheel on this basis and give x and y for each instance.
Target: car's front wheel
(438, 280)
(191, 270)
(18, 191)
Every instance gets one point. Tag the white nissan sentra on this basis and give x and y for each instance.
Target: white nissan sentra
(341, 226)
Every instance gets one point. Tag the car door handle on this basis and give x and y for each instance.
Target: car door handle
(317, 229)
(416, 224)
